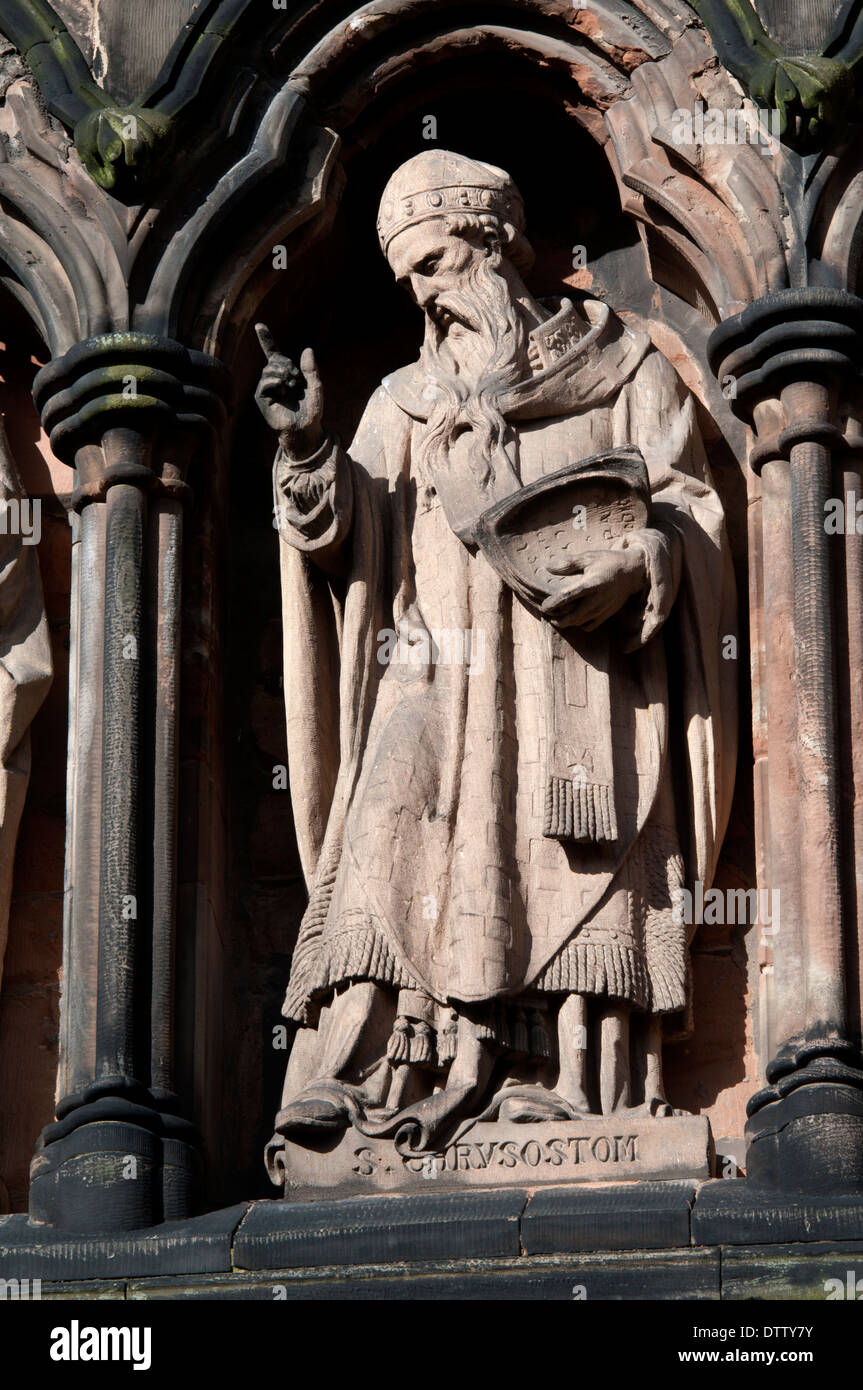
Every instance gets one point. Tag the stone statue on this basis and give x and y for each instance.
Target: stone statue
(511, 730)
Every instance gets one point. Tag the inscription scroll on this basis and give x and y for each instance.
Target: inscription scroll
(475, 1157)
(506, 1154)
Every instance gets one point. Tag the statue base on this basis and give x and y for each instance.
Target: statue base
(599, 1148)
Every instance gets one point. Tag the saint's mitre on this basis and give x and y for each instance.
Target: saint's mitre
(438, 182)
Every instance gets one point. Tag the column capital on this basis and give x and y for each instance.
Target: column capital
(166, 399)
(790, 359)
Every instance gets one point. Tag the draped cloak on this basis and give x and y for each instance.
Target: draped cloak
(420, 772)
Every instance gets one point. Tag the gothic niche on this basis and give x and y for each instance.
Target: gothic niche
(511, 733)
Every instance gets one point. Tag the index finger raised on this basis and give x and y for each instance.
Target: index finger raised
(266, 339)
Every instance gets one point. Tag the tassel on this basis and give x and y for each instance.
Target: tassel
(399, 1045)
(538, 1035)
(422, 1051)
(447, 1040)
(576, 810)
(519, 1033)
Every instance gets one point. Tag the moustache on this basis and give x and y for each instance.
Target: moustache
(454, 308)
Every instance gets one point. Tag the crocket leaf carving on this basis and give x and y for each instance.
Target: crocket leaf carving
(813, 93)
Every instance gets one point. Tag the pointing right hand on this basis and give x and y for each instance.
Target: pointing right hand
(291, 399)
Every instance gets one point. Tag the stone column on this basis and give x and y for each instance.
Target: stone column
(129, 411)
(793, 358)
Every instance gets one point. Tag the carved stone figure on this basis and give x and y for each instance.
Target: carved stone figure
(511, 729)
(25, 675)
(25, 666)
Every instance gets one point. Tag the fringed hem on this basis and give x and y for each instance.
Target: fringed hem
(668, 964)
(610, 969)
(593, 967)
(355, 953)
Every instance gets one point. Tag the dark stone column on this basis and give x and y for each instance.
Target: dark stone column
(794, 358)
(129, 411)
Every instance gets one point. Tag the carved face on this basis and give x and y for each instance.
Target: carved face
(434, 265)
(475, 339)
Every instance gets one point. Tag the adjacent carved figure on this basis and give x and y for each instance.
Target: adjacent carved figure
(510, 725)
(25, 667)
(25, 675)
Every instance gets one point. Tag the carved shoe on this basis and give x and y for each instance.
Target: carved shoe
(533, 1105)
(311, 1115)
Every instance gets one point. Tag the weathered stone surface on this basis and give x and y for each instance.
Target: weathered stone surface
(635, 1216)
(649, 1275)
(560, 1243)
(823, 1271)
(288, 1235)
(30, 1251)
(86, 1290)
(800, 28)
(734, 1212)
(124, 45)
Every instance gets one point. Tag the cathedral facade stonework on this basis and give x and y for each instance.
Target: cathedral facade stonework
(431, 741)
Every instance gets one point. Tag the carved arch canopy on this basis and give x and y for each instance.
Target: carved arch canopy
(180, 242)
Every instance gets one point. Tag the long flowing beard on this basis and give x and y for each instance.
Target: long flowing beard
(467, 371)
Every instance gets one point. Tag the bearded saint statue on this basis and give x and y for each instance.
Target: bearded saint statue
(494, 846)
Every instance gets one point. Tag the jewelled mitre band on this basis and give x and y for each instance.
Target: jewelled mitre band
(400, 212)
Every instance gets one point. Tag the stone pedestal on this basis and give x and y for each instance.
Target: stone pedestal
(601, 1148)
